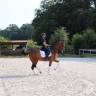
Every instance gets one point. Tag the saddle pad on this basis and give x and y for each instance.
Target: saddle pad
(42, 53)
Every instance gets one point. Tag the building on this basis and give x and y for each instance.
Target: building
(13, 47)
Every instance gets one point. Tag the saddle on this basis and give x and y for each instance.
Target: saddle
(42, 53)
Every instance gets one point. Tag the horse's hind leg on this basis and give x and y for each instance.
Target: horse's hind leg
(50, 62)
(34, 66)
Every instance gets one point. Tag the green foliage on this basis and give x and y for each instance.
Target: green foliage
(59, 34)
(32, 44)
(13, 32)
(26, 31)
(88, 55)
(89, 37)
(46, 4)
(77, 42)
(85, 41)
(75, 15)
(2, 38)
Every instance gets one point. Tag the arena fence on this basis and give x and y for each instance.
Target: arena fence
(88, 51)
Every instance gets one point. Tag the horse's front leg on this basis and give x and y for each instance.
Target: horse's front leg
(38, 70)
(58, 63)
(50, 63)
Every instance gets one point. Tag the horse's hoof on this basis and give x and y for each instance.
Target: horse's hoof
(36, 74)
(49, 73)
(55, 69)
(40, 72)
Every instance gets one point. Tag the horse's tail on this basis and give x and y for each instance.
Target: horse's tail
(25, 51)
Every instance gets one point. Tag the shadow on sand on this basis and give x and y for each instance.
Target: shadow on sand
(17, 76)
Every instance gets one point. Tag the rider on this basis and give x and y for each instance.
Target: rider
(45, 46)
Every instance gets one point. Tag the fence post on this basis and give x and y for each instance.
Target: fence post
(90, 51)
(79, 51)
(83, 51)
(0, 50)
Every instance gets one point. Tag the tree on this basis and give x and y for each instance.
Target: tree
(93, 3)
(59, 34)
(87, 40)
(3, 39)
(26, 32)
(77, 42)
(13, 32)
(75, 15)
(10, 32)
(89, 37)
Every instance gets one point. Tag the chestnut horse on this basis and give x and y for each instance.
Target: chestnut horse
(34, 55)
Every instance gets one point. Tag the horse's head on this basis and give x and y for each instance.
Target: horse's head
(59, 46)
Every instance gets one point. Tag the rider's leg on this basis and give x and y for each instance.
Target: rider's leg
(46, 52)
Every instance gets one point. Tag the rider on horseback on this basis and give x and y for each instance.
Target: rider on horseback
(45, 46)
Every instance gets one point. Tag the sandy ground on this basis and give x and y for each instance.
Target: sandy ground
(74, 77)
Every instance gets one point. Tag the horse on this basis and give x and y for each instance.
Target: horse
(34, 55)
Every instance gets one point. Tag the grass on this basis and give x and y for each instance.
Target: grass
(76, 56)
(69, 55)
(88, 55)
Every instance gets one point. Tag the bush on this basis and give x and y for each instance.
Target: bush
(32, 44)
(89, 37)
(59, 34)
(85, 41)
(69, 49)
(2, 39)
(77, 42)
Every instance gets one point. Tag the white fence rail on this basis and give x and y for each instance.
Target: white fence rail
(90, 51)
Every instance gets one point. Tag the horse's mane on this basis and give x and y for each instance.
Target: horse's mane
(54, 44)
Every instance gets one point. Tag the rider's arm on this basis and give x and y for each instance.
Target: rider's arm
(45, 44)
